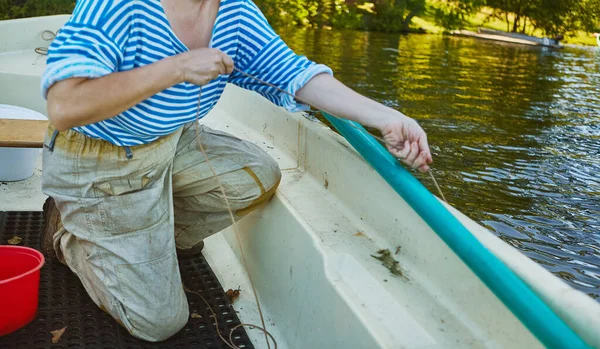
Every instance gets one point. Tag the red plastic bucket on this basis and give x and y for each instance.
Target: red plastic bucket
(19, 286)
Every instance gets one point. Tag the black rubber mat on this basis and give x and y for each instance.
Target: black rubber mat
(64, 302)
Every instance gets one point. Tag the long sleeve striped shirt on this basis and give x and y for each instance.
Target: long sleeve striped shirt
(107, 36)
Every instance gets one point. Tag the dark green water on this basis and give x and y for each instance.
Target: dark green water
(515, 132)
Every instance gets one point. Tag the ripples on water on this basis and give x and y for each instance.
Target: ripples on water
(515, 132)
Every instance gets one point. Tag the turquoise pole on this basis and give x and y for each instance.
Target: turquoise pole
(508, 287)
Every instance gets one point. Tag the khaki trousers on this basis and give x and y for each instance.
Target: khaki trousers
(125, 210)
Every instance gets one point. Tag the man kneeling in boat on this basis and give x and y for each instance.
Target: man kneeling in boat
(130, 192)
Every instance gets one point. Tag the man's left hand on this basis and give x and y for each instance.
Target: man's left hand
(407, 141)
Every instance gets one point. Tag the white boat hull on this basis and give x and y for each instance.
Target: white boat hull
(309, 250)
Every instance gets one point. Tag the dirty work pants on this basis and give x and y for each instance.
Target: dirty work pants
(124, 215)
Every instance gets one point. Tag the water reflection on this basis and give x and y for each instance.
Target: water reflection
(515, 131)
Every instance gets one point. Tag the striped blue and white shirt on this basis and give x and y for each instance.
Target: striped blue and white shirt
(106, 36)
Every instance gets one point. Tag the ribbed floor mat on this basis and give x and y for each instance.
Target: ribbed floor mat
(64, 302)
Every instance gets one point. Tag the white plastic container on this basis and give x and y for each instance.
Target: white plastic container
(17, 164)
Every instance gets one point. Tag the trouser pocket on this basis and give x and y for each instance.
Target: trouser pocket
(134, 203)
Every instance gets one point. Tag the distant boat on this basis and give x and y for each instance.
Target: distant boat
(597, 35)
(540, 41)
(515, 38)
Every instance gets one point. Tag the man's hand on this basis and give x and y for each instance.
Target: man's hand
(201, 66)
(407, 141)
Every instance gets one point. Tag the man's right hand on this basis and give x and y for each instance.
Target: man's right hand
(116, 92)
(201, 66)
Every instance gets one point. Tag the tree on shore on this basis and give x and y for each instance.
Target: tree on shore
(552, 17)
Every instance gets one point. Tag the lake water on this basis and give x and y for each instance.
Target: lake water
(515, 132)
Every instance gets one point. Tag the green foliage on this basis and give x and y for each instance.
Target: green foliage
(386, 15)
(394, 15)
(558, 17)
(285, 12)
(32, 8)
(381, 15)
(347, 17)
(552, 17)
(453, 14)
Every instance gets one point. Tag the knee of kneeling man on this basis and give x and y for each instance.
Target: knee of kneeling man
(272, 168)
(267, 174)
(158, 329)
(276, 180)
(268, 178)
(271, 183)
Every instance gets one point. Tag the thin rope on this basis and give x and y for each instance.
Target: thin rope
(229, 342)
(237, 234)
(47, 35)
(437, 185)
(380, 139)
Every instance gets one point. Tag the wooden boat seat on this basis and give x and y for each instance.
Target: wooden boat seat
(22, 133)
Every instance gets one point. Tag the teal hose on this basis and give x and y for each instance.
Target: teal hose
(508, 287)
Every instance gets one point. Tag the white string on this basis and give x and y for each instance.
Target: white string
(237, 234)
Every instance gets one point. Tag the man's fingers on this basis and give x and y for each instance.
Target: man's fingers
(228, 64)
(409, 144)
(421, 160)
(424, 146)
(414, 152)
(220, 69)
(405, 150)
(395, 151)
